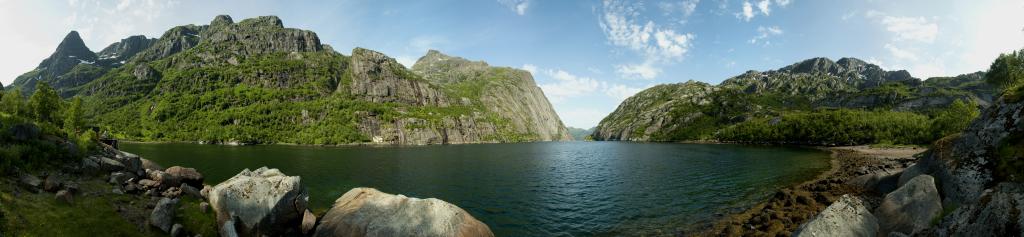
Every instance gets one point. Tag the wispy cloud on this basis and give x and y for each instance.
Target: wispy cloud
(764, 33)
(656, 44)
(644, 70)
(517, 6)
(748, 11)
(685, 7)
(564, 85)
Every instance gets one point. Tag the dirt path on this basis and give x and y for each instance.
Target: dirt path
(790, 207)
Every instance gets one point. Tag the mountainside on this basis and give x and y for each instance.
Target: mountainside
(256, 81)
(580, 134)
(698, 111)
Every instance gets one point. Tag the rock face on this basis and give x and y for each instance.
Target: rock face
(848, 216)
(373, 98)
(368, 212)
(695, 111)
(911, 208)
(260, 202)
(998, 216)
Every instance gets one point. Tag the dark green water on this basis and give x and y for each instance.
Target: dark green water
(533, 189)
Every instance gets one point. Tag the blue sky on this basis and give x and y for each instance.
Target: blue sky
(587, 56)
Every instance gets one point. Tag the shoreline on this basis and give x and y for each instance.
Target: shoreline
(789, 207)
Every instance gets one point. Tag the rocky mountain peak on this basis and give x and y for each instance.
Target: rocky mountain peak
(221, 20)
(121, 51)
(436, 62)
(70, 52)
(814, 65)
(260, 21)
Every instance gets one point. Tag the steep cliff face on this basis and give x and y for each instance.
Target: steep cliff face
(668, 112)
(509, 93)
(256, 81)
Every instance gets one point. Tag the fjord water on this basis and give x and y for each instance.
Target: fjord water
(532, 189)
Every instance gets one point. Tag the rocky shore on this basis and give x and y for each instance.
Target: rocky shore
(856, 170)
(149, 200)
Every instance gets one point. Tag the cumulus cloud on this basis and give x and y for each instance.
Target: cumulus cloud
(564, 85)
(517, 6)
(685, 7)
(764, 33)
(656, 44)
(644, 70)
(748, 11)
(900, 53)
(765, 7)
(906, 28)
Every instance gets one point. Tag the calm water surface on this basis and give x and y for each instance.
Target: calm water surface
(532, 189)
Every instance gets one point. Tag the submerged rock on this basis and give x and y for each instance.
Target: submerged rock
(259, 202)
(910, 208)
(368, 212)
(848, 216)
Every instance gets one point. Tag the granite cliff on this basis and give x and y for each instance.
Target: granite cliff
(256, 81)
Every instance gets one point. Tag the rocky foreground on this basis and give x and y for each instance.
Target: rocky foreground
(261, 202)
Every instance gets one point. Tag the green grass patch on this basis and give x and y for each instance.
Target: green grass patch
(39, 214)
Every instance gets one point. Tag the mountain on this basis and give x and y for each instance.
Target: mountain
(697, 111)
(580, 134)
(256, 81)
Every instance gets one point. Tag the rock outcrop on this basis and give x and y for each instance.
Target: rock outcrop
(261, 202)
(911, 208)
(120, 52)
(848, 216)
(368, 212)
(652, 113)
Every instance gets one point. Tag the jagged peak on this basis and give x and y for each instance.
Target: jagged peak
(434, 56)
(221, 20)
(272, 21)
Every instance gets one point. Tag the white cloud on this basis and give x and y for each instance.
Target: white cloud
(686, 7)
(582, 117)
(848, 15)
(748, 11)
(530, 68)
(783, 2)
(517, 6)
(406, 60)
(901, 53)
(638, 71)
(764, 33)
(567, 85)
(765, 7)
(621, 92)
(907, 28)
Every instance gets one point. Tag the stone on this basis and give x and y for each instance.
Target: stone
(132, 188)
(72, 187)
(204, 207)
(30, 182)
(132, 163)
(177, 230)
(369, 212)
(260, 202)
(120, 177)
(186, 175)
(172, 192)
(164, 179)
(117, 191)
(205, 192)
(227, 229)
(910, 208)
(308, 222)
(909, 173)
(150, 165)
(52, 183)
(64, 196)
(882, 181)
(91, 165)
(999, 216)
(848, 216)
(110, 165)
(162, 216)
(149, 183)
(189, 191)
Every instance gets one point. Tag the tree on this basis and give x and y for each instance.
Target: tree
(955, 118)
(12, 103)
(45, 103)
(1007, 71)
(73, 116)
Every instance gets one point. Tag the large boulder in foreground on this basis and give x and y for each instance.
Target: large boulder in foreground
(368, 212)
(910, 208)
(848, 216)
(262, 202)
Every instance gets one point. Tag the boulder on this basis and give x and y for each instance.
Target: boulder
(204, 207)
(30, 182)
(910, 173)
(162, 216)
(132, 163)
(368, 212)
(110, 165)
(120, 177)
(190, 191)
(205, 192)
(71, 187)
(260, 202)
(149, 183)
(308, 222)
(172, 192)
(91, 165)
(64, 196)
(177, 230)
(186, 175)
(164, 179)
(848, 216)
(52, 183)
(228, 229)
(882, 181)
(150, 165)
(910, 208)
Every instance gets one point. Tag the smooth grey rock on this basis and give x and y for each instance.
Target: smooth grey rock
(848, 216)
(164, 179)
(261, 202)
(190, 191)
(227, 229)
(177, 230)
(120, 177)
(30, 182)
(150, 165)
(186, 175)
(883, 182)
(162, 216)
(52, 183)
(368, 212)
(910, 208)
(64, 196)
(110, 165)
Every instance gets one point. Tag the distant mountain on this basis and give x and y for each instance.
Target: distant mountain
(580, 134)
(697, 110)
(256, 81)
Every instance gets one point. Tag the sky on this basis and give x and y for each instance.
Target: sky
(587, 56)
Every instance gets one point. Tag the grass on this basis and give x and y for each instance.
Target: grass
(39, 214)
(190, 216)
